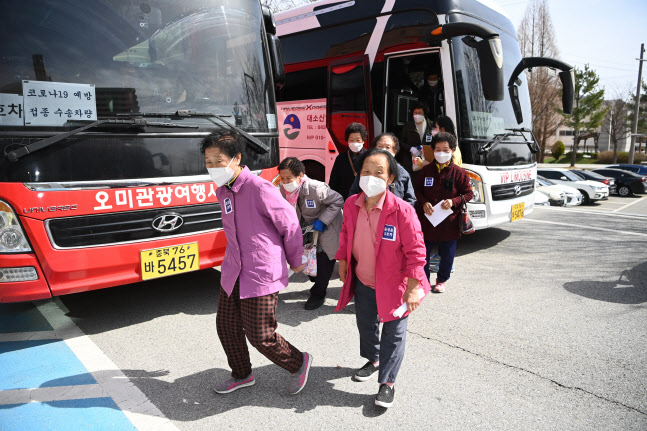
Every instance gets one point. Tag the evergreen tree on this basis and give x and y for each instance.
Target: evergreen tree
(589, 110)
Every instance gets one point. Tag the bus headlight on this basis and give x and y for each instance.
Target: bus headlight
(12, 237)
(477, 187)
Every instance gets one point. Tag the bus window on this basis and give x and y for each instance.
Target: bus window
(348, 100)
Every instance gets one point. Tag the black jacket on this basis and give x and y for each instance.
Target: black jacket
(411, 138)
(342, 175)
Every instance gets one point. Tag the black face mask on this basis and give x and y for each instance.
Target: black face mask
(449, 184)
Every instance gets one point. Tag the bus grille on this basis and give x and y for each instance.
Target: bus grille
(502, 192)
(116, 228)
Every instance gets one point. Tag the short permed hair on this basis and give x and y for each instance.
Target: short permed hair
(392, 164)
(227, 140)
(420, 105)
(444, 137)
(294, 165)
(356, 128)
(396, 143)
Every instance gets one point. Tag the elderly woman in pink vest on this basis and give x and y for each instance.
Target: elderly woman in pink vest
(381, 263)
(263, 232)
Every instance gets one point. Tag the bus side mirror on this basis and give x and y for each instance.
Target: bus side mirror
(565, 76)
(488, 50)
(568, 90)
(276, 58)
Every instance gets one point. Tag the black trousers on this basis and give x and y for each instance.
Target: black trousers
(325, 268)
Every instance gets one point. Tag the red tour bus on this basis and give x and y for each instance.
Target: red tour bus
(102, 109)
(368, 61)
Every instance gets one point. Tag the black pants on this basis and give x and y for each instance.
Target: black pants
(325, 268)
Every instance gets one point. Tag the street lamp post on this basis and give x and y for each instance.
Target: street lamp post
(632, 150)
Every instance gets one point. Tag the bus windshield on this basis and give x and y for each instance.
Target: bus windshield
(479, 120)
(155, 56)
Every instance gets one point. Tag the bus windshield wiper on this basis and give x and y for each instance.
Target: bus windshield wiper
(258, 145)
(17, 154)
(498, 138)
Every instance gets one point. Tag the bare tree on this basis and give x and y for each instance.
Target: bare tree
(537, 39)
(616, 123)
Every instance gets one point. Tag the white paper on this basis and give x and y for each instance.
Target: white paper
(12, 112)
(55, 103)
(439, 214)
(403, 308)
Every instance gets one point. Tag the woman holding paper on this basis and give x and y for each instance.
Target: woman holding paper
(441, 188)
(381, 263)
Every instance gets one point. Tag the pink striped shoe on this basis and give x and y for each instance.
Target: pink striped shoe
(299, 380)
(231, 384)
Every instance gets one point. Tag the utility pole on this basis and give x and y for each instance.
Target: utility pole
(634, 132)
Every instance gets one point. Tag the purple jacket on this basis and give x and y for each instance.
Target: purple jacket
(262, 232)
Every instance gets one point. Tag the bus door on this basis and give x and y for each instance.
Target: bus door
(406, 77)
(349, 99)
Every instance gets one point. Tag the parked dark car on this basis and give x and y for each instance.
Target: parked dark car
(627, 183)
(636, 169)
(590, 175)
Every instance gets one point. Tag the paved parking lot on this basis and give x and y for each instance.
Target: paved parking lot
(542, 327)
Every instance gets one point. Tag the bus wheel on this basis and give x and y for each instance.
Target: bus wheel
(315, 170)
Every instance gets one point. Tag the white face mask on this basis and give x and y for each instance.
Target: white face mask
(356, 147)
(418, 118)
(442, 157)
(432, 83)
(372, 186)
(434, 132)
(290, 187)
(221, 176)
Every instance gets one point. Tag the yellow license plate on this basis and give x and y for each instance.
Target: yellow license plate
(160, 262)
(517, 211)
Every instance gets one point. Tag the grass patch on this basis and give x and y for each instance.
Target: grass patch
(566, 158)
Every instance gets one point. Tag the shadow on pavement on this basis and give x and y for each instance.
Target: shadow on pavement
(630, 288)
(480, 240)
(194, 294)
(192, 397)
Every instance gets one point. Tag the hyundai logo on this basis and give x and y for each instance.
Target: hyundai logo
(517, 190)
(168, 223)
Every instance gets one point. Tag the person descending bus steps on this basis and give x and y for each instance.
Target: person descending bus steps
(381, 263)
(442, 124)
(414, 134)
(344, 170)
(320, 207)
(402, 188)
(442, 181)
(262, 232)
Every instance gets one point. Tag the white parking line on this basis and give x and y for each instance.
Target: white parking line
(56, 393)
(596, 212)
(134, 404)
(628, 205)
(624, 232)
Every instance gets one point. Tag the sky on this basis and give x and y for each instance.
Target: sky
(606, 35)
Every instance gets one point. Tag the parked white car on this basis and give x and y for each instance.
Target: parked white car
(540, 199)
(569, 195)
(591, 190)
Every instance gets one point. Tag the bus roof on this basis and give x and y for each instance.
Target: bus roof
(308, 16)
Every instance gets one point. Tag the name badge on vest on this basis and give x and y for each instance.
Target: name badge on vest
(310, 203)
(429, 181)
(389, 232)
(428, 138)
(228, 207)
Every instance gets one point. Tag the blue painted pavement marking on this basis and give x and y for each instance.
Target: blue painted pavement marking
(70, 415)
(22, 317)
(30, 364)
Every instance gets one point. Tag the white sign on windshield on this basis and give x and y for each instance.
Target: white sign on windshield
(484, 124)
(56, 103)
(12, 112)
